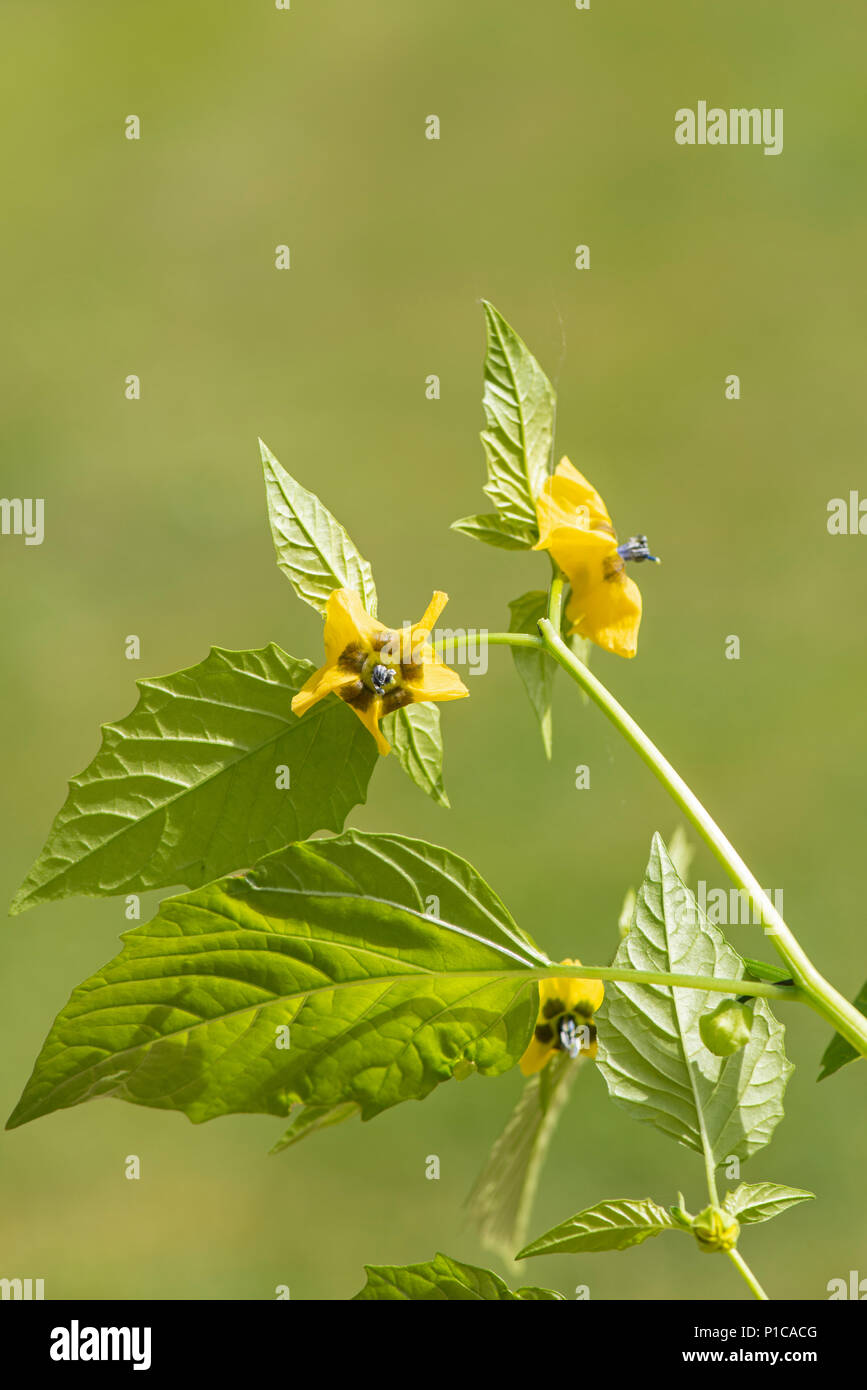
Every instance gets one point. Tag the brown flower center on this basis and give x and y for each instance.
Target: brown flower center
(380, 673)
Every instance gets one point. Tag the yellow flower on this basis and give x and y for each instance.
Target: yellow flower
(565, 1023)
(574, 525)
(377, 669)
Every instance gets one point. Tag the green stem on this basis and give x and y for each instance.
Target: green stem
(735, 1256)
(555, 597)
(446, 649)
(710, 1175)
(512, 639)
(759, 989)
(819, 993)
(749, 1278)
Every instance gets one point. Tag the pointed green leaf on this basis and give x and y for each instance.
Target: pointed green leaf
(416, 739)
(627, 912)
(496, 530)
(309, 1119)
(536, 668)
(313, 550)
(519, 407)
(502, 1198)
(682, 852)
(761, 1201)
(444, 1279)
(186, 786)
(583, 649)
(650, 1050)
(389, 961)
(611, 1225)
(839, 1052)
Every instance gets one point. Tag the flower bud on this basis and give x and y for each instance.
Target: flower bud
(728, 1028)
(715, 1230)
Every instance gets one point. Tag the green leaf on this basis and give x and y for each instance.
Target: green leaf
(627, 911)
(761, 1201)
(496, 530)
(310, 1119)
(519, 407)
(650, 1050)
(536, 668)
(388, 960)
(185, 787)
(583, 649)
(839, 1052)
(416, 739)
(682, 852)
(313, 550)
(761, 970)
(611, 1225)
(443, 1279)
(502, 1197)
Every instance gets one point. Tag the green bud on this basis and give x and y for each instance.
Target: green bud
(728, 1028)
(462, 1069)
(715, 1230)
(681, 1216)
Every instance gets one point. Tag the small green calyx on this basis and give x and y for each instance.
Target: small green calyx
(715, 1231)
(728, 1028)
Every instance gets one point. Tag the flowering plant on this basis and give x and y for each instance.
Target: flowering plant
(320, 978)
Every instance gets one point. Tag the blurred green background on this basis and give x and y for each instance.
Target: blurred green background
(156, 257)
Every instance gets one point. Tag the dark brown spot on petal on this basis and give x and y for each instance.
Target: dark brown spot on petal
(386, 641)
(395, 699)
(553, 1007)
(357, 695)
(352, 658)
(544, 1033)
(612, 566)
(411, 670)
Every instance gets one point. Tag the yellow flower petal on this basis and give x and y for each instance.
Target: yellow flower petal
(605, 604)
(573, 994)
(569, 501)
(536, 1056)
(428, 619)
(347, 621)
(609, 613)
(320, 684)
(582, 996)
(436, 681)
(370, 719)
(582, 555)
